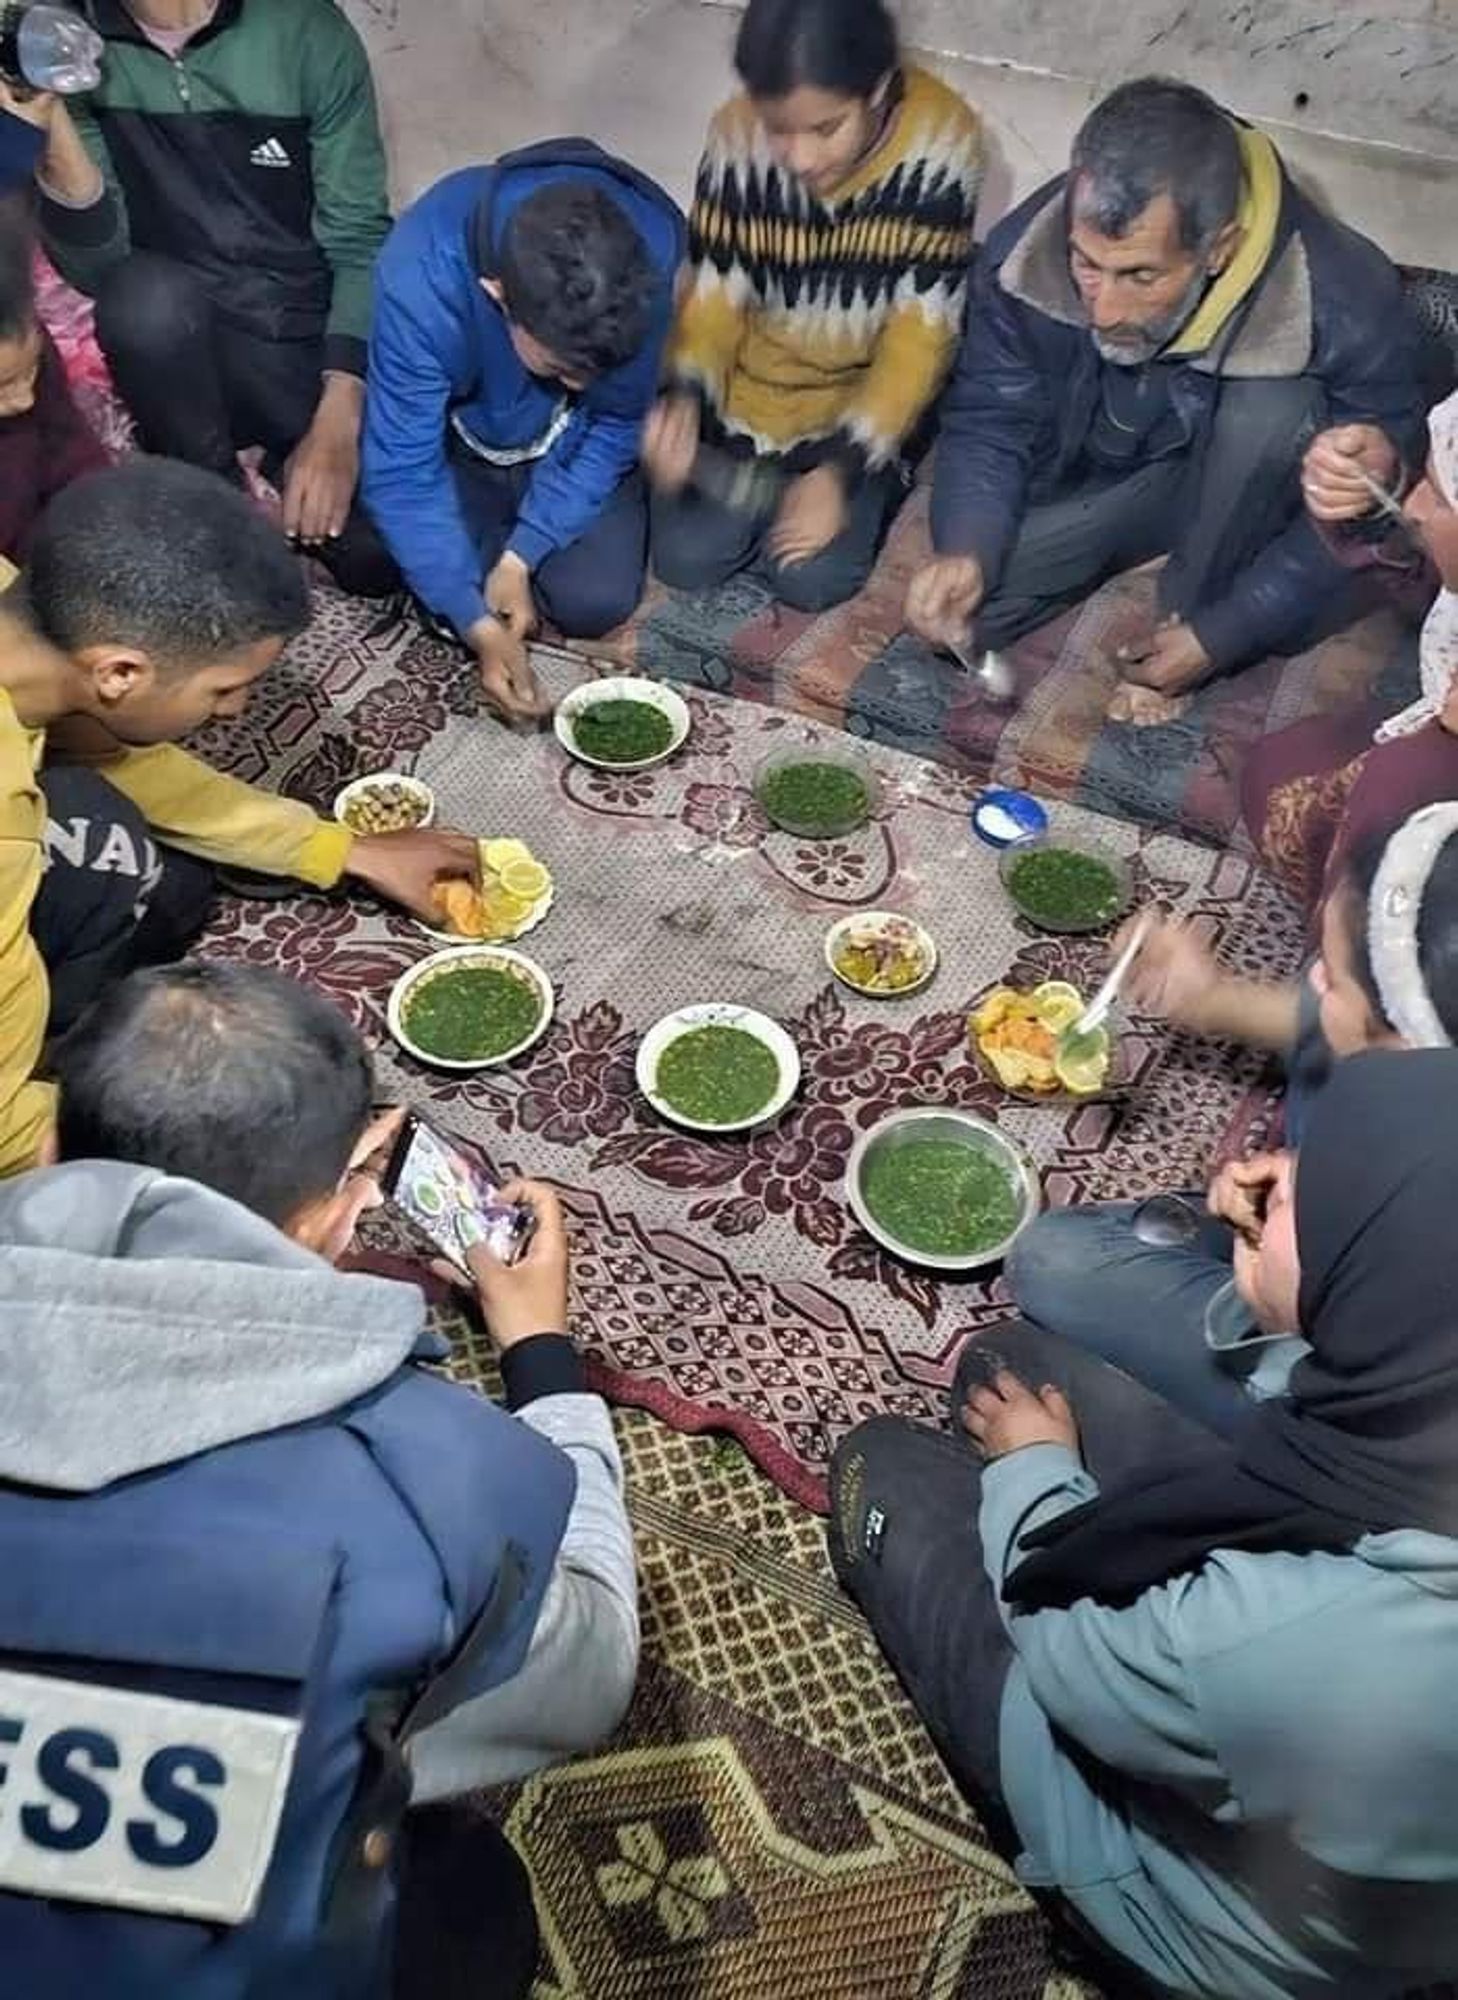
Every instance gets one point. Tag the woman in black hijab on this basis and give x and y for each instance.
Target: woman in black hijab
(1223, 1683)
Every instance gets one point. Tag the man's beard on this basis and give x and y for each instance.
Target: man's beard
(1132, 348)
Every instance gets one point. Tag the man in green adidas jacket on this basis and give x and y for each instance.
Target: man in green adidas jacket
(222, 196)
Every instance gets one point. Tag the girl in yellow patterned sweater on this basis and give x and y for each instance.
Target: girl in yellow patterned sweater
(830, 239)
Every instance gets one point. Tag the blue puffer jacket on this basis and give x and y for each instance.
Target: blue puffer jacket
(240, 1535)
(1018, 413)
(441, 358)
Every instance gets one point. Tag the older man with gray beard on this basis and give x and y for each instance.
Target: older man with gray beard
(1153, 341)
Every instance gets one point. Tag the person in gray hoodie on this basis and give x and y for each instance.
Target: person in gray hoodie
(240, 1518)
(1210, 1683)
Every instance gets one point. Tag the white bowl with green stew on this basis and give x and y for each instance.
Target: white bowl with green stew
(623, 723)
(716, 1067)
(942, 1188)
(472, 1007)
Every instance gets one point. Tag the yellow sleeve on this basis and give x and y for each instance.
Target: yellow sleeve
(715, 295)
(26, 1107)
(190, 805)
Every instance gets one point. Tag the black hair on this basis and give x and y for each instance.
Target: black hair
(1437, 926)
(229, 1075)
(1151, 137)
(17, 269)
(164, 557)
(576, 274)
(844, 46)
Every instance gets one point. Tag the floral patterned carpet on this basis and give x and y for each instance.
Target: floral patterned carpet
(724, 1283)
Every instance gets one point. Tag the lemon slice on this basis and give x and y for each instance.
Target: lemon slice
(525, 878)
(1057, 1004)
(1088, 1072)
(502, 914)
(498, 855)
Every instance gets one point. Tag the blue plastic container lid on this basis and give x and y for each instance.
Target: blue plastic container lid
(1003, 818)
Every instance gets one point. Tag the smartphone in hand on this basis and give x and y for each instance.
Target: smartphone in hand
(450, 1199)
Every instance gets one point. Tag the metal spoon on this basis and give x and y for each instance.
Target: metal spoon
(1166, 1222)
(991, 672)
(1391, 506)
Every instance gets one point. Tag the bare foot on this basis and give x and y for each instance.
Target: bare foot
(1145, 708)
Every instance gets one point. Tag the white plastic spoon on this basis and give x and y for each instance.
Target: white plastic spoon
(1096, 1012)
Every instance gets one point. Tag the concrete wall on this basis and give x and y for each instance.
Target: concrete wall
(1362, 98)
(1379, 70)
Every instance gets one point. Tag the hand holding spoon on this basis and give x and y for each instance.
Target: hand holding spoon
(991, 672)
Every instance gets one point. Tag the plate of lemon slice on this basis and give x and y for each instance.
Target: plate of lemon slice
(514, 894)
(1016, 1032)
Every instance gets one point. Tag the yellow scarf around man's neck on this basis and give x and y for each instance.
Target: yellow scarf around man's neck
(1258, 215)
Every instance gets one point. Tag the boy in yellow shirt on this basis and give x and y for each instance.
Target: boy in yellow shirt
(154, 597)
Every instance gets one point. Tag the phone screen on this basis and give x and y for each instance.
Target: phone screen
(451, 1199)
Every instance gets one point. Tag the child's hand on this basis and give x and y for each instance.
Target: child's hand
(1172, 978)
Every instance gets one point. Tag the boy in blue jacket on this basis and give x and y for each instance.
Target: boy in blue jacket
(520, 312)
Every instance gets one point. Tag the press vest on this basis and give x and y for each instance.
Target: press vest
(208, 1677)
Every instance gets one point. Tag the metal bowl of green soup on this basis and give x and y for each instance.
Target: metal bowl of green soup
(1066, 885)
(623, 723)
(816, 791)
(943, 1189)
(471, 1008)
(718, 1068)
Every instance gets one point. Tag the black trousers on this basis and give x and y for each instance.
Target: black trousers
(111, 899)
(203, 389)
(467, 1926)
(903, 1540)
(585, 589)
(699, 543)
(1211, 515)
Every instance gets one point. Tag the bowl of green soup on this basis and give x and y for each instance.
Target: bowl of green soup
(816, 791)
(1067, 886)
(714, 1067)
(623, 723)
(941, 1188)
(471, 1007)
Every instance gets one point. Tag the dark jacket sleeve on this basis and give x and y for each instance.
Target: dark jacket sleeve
(995, 416)
(1366, 358)
(351, 207)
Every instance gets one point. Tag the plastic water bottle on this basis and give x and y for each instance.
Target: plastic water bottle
(48, 48)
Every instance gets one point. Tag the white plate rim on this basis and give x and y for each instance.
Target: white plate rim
(497, 954)
(926, 1260)
(727, 1014)
(406, 778)
(859, 917)
(622, 687)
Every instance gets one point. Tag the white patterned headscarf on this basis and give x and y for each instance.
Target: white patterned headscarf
(1438, 647)
(1393, 916)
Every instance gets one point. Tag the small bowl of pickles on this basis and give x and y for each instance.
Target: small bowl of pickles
(880, 954)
